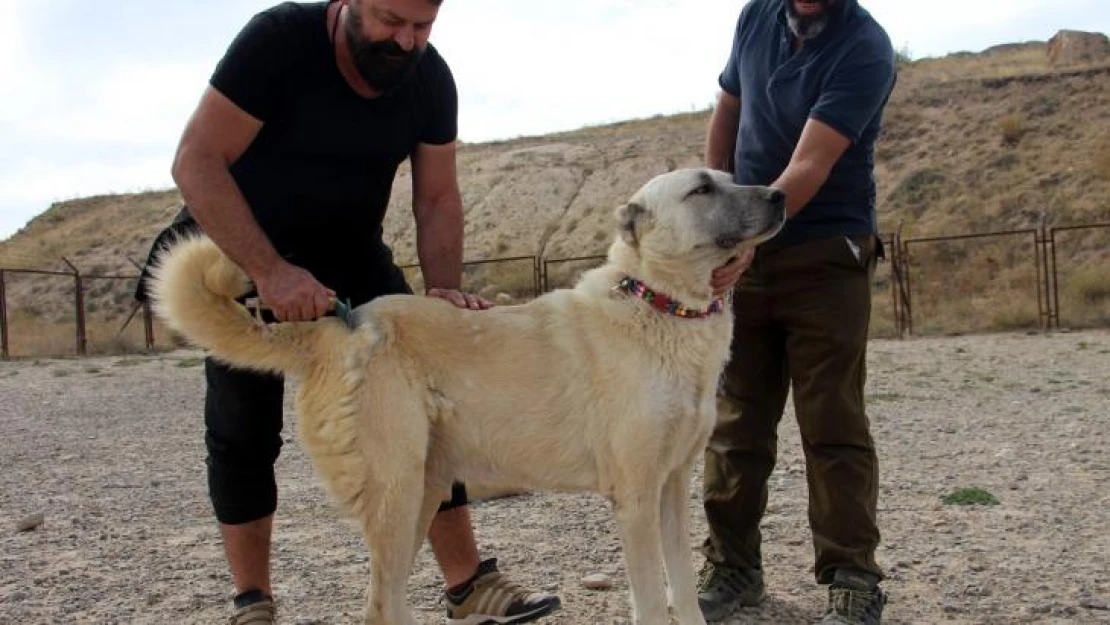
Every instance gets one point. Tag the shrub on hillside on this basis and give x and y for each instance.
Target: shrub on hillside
(1090, 285)
(919, 189)
(1102, 159)
(1013, 129)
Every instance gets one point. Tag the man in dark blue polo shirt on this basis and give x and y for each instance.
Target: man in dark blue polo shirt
(801, 106)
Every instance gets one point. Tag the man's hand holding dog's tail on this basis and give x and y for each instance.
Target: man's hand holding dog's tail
(292, 293)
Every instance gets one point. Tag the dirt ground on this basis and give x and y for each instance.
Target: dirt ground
(110, 452)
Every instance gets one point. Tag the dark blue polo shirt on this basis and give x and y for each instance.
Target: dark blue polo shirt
(843, 78)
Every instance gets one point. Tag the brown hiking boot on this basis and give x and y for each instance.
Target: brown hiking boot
(723, 589)
(854, 599)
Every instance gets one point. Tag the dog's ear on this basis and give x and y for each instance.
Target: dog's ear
(633, 221)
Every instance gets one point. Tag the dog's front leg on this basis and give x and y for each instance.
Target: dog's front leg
(637, 512)
(681, 580)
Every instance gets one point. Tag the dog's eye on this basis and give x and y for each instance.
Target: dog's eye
(705, 189)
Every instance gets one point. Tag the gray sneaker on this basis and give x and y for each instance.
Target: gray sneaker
(494, 599)
(260, 612)
(854, 606)
(722, 589)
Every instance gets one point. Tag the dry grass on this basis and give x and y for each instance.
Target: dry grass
(1085, 297)
(1029, 59)
(32, 336)
(1101, 160)
(515, 278)
(1005, 61)
(1090, 285)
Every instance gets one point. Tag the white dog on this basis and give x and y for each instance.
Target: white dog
(608, 387)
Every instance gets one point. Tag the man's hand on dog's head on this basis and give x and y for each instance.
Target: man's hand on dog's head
(292, 293)
(725, 277)
(461, 298)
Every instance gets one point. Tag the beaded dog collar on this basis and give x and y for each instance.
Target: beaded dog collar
(663, 303)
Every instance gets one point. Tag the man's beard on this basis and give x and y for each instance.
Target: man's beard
(384, 65)
(807, 27)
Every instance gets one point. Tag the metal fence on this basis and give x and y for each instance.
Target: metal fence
(990, 267)
(946, 284)
(85, 331)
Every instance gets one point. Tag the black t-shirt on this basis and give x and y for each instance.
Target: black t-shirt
(319, 174)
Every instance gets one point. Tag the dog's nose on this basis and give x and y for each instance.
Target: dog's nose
(776, 197)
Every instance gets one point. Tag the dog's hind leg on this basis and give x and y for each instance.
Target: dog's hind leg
(390, 535)
(637, 512)
(675, 515)
(434, 496)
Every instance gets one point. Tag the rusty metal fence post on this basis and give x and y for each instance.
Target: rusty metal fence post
(900, 267)
(148, 317)
(899, 288)
(82, 338)
(3, 318)
(538, 274)
(148, 327)
(1044, 298)
(1055, 320)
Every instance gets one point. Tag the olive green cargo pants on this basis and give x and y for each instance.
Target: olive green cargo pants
(802, 313)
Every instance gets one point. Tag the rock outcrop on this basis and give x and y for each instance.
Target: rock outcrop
(1075, 47)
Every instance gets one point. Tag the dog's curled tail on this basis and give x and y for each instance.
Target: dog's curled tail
(193, 288)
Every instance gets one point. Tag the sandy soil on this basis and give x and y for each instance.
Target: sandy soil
(110, 452)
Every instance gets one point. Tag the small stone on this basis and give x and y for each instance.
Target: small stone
(1092, 603)
(597, 581)
(29, 523)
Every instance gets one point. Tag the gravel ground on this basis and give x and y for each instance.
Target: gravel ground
(110, 452)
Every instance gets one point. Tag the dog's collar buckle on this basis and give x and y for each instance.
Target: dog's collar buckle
(665, 303)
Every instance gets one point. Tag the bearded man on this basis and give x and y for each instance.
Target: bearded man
(801, 106)
(287, 164)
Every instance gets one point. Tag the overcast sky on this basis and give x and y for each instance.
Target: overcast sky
(95, 93)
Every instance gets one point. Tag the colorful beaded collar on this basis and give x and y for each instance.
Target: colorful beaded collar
(663, 303)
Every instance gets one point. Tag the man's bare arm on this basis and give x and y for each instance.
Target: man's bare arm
(438, 210)
(818, 150)
(218, 133)
(720, 142)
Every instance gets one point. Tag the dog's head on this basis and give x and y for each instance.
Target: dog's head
(682, 225)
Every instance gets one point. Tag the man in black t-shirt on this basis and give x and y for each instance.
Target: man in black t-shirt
(287, 164)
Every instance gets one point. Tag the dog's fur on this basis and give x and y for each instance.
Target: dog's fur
(584, 389)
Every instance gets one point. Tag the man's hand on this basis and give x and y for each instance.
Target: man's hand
(461, 299)
(292, 293)
(725, 277)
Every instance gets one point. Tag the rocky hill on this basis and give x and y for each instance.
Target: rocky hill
(972, 143)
